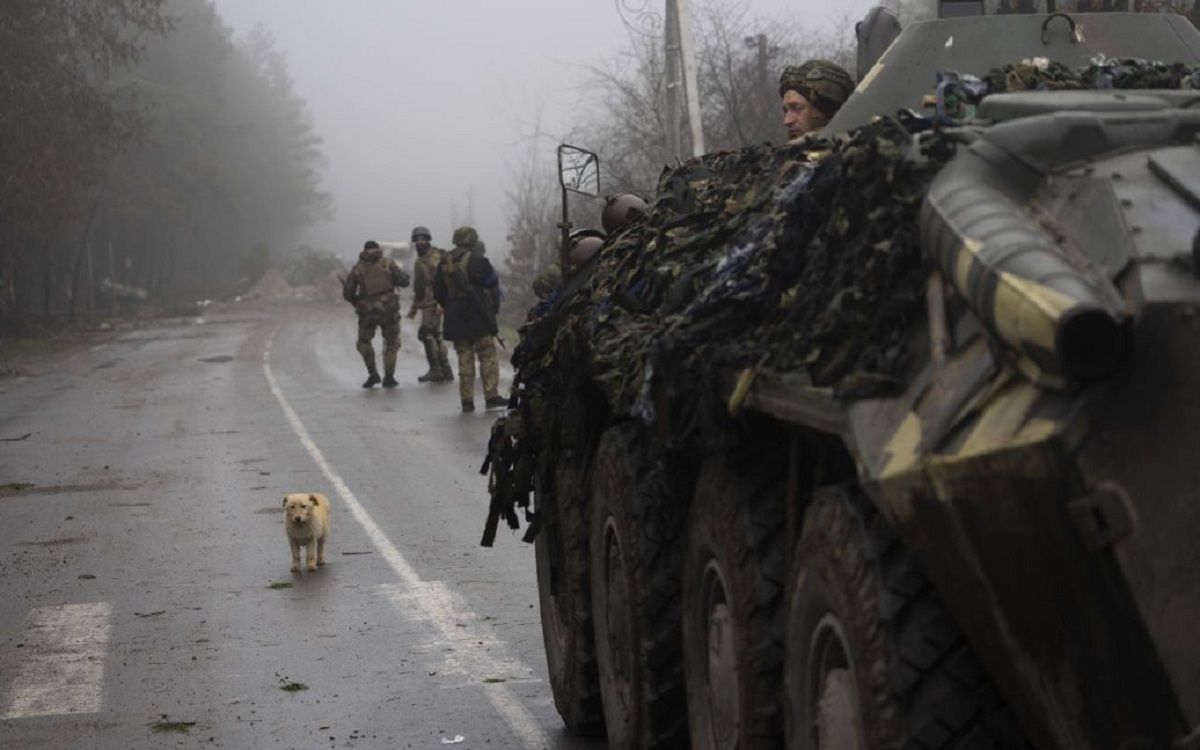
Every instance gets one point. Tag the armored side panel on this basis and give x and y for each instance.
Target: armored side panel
(1057, 520)
(906, 72)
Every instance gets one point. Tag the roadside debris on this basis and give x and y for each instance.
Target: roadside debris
(165, 724)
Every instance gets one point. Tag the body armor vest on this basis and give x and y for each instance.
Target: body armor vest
(376, 278)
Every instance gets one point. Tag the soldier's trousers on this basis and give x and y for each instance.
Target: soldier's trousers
(430, 334)
(489, 367)
(390, 326)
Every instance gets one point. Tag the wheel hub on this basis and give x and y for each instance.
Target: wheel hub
(722, 659)
(618, 625)
(834, 716)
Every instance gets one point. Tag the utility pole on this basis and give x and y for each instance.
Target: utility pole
(674, 85)
(763, 54)
(682, 88)
(687, 51)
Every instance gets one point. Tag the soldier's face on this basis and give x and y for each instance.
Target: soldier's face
(422, 244)
(800, 117)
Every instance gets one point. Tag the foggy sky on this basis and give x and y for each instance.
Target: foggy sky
(422, 104)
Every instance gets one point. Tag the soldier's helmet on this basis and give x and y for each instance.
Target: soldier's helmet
(371, 251)
(622, 210)
(584, 243)
(419, 232)
(827, 85)
(465, 237)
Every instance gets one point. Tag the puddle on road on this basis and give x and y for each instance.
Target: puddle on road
(218, 358)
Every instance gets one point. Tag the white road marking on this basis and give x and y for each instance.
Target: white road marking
(63, 668)
(431, 600)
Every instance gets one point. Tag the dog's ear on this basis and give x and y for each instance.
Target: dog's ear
(285, 497)
(313, 499)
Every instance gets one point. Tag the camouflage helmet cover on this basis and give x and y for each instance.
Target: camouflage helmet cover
(823, 83)
(465, 237)
(421, 232)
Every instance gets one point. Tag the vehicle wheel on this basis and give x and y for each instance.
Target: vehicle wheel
(873, 659)
(733, 584)
(565, 603)
(636, 554)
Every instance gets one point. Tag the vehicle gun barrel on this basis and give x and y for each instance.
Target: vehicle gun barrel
(1013, 274)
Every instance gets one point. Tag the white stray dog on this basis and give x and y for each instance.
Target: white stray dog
(306, 521)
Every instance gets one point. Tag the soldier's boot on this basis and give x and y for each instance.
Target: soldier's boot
(496, 402)
(434, 374)
(446, 374)
(368, 355)
(468, 405)
(389, 369)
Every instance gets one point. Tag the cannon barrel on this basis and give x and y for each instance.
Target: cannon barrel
(1012, 274)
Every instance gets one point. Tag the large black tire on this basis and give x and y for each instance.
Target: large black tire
(874, 659)
(636, 554)
(565, 601)
(733, 591)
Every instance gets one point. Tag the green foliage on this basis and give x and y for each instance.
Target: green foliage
(308, 266)
(256, 262)
(143, 126)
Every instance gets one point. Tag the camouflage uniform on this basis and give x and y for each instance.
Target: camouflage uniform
(430, 332)
(371, 288)
(462, 285)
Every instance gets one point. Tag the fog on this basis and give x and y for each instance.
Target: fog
(423, 105)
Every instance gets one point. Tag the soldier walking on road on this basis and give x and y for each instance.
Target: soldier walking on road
(430, 332)
(462, 285)
(371, 288)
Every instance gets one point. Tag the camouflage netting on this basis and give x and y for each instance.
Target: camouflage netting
(777, 258)
(803, 257)
(1103, 73)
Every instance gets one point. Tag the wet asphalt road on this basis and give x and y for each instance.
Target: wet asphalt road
(136, 572)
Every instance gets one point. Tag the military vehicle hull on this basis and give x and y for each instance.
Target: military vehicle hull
(999, 551)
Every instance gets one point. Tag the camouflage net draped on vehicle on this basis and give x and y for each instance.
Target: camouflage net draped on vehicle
(797, 258)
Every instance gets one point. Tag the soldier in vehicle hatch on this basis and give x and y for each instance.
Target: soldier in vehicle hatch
(461, 287)
(371, 288)
(430, 332)
(812, 94)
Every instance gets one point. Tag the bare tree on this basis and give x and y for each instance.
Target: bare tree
(739, 58)
(533, 210)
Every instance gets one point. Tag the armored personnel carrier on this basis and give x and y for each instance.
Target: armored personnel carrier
(888, 438)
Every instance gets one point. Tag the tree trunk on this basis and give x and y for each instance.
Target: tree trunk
(47, 281)
(79, 251)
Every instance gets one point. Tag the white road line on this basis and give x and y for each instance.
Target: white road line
(63, 668)
(431, 600)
